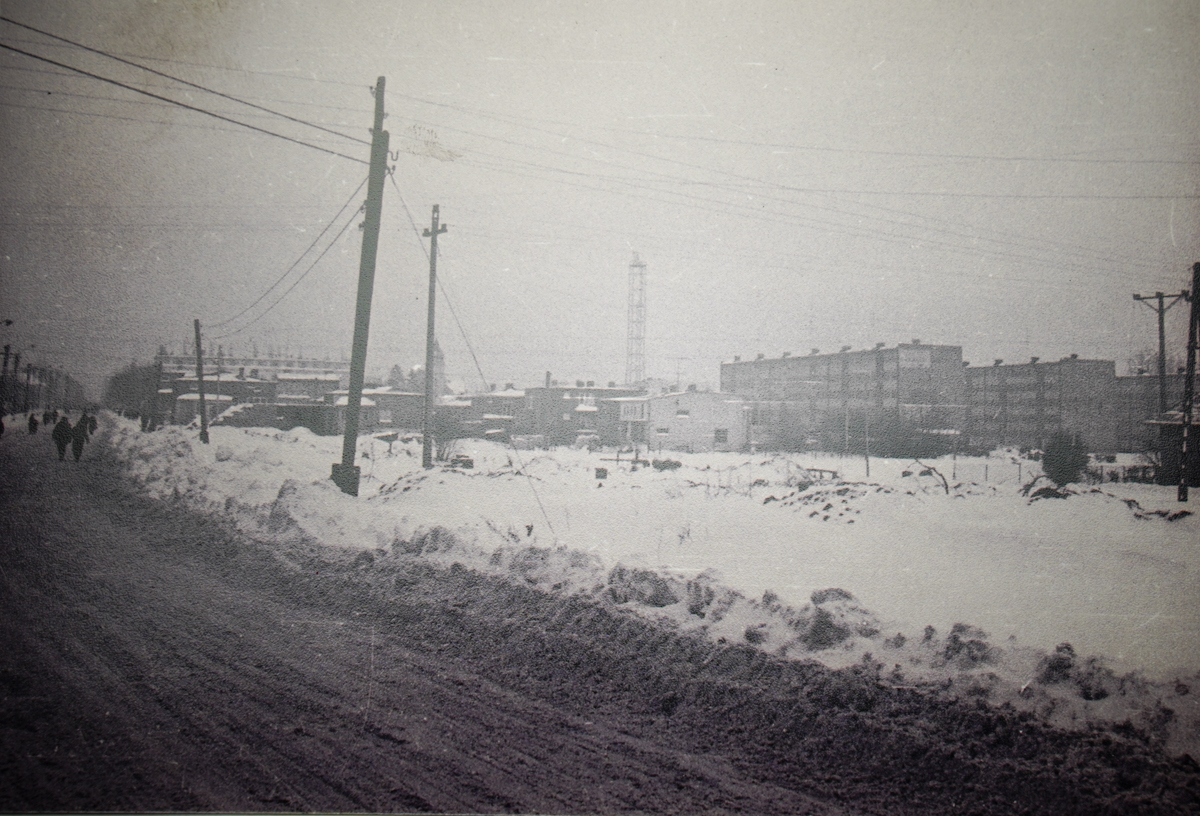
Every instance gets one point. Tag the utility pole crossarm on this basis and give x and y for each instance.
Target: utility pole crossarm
(1161, 309)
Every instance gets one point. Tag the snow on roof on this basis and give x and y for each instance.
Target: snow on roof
(583, 406)
(388, 391)
(194, 397)
(288, 375)
(342, 402)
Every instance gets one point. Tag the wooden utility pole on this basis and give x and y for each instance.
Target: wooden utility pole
(427, 429)
(1162, 340)
(1189, 388)
(200, 385)
(346, 474)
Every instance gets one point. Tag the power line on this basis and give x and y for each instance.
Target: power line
(296, 263)
(180, 104)
(279, 300)
(523, 121)
(181, 81)
(42, 93)
(786, 188)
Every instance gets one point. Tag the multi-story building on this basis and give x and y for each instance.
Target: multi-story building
(1024, 404)
(902, 400)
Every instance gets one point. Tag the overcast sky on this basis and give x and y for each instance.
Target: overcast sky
(795, 175)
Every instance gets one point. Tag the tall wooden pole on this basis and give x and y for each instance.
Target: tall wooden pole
(427, 429)
(346, 473)
(200, 385)
(1189, 388)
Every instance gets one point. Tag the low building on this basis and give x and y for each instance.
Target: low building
(563, 413)
(402, 410)
(697, 421)
(187, 407)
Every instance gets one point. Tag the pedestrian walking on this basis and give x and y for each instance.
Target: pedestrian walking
(92, 424)
(33, 423)
(62, 436)
(46, 417)
(79, 435)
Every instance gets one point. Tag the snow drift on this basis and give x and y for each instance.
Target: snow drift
(939, 577)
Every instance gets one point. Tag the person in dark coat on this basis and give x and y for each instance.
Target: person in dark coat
(92, 424)
(62, 435)
(33, 424)
(79, 435)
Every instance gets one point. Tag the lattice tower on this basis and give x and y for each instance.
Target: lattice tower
(635, 349)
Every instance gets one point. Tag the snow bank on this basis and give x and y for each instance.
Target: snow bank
(937, 575)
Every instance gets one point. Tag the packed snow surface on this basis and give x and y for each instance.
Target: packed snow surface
(1112, 569)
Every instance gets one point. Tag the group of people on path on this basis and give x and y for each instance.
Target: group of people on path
(64, 432)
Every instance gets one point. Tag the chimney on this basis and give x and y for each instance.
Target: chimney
(759, 356)
(547, 379)
(591, 383)
(815, 351)
(997, 361)
(786, 354)
(843, 349)
(916, 341)
(737, 358)
(878, 346)
(1033, 360)
(579, 383)
(1074, 356)
(612, 383)
(508, 386)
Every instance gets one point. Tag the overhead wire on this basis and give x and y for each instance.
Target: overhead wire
(180, 81)
(296, 283)
(182, 104)
(861, 232)
(791, 188)
(523, 121)
(296, 263)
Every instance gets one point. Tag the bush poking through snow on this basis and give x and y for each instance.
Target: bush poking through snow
(967, 646)
(1064, 459)
(643, 586)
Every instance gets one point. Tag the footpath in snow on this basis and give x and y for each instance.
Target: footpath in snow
(939, 572)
